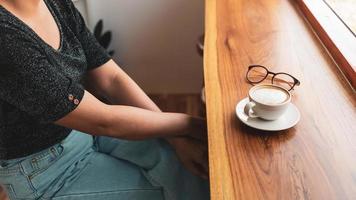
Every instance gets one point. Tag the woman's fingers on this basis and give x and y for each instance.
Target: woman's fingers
(201, 170)
(199, 136)
(198, 129)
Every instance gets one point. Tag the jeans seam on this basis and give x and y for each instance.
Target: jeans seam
(13, 170)
(38, 171)
(41, 156)
(13, 192)
(10, 190)
(52, 151)
(7, 172)
(29, 181)
(151, 179)
(108, 192)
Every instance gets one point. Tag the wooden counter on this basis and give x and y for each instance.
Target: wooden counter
(314, 160)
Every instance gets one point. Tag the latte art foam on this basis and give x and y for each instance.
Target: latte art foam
(270, 95)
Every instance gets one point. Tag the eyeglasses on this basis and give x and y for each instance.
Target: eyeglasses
(258, 73)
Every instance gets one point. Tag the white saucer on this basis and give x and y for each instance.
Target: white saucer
(289, 119)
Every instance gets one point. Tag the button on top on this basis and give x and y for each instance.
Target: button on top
(70, 97)
(76, 101)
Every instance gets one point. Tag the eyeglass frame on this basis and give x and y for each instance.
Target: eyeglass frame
(296, 81)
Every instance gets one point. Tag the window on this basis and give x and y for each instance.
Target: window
(334, 21)
(345, 10)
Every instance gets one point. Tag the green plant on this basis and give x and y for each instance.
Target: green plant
(104, 39)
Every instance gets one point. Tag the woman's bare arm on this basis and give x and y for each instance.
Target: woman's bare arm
(111, 82)
(97, 118)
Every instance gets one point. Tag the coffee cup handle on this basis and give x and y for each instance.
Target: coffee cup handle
(249, 109)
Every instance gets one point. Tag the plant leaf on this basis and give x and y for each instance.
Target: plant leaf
(105, 39)
(98, 29)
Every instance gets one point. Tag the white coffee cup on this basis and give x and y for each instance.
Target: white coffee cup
(268, 102)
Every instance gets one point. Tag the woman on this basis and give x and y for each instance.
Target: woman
(58, 141)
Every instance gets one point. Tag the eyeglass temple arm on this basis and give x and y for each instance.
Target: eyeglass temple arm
(278, 79)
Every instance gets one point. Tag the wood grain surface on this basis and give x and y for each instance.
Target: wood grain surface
(314, 160)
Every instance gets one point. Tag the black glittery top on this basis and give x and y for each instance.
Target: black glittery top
(40, 84)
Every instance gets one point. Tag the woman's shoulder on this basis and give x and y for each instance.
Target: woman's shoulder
(14, 37)
(64, 3)
(10, 26)
(7, 21)
(11, 30)
(66, 11)
(65, 6)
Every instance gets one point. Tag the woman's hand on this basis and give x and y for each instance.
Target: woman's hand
(193, 154)
(197, 128)
(192, 149)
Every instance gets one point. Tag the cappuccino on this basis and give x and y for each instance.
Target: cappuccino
(270, 95)
(268, 102)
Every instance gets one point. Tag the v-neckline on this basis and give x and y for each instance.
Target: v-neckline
(34, 33)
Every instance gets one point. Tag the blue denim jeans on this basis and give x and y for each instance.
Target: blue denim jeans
(87, 167)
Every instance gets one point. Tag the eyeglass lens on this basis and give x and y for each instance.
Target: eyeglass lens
(257, 74)
(283, 80)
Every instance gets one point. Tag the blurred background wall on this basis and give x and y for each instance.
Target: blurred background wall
(154, 40)
(82, 7)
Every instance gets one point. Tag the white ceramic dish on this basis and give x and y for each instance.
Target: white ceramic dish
(289, 119)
